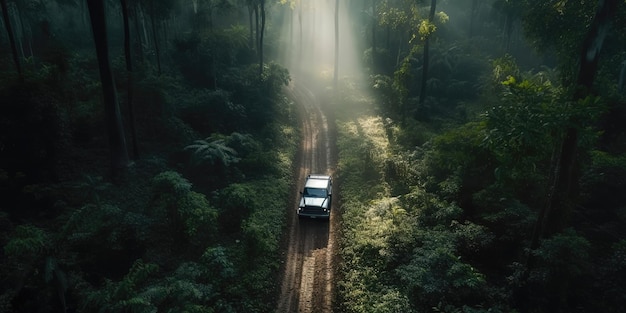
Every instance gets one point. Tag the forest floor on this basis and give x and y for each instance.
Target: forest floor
(308, 277)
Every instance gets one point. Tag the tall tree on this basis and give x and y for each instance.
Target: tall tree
(7, 26)
(155, 36)
(511, 11)
(426, 57)
(261, 35)
(129, 80)
(251, 5)
(554, 215)
(374, 24)
(115, 128)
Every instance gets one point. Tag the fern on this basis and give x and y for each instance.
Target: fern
(27, 243)
(212, 151)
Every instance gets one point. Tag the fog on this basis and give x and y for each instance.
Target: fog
(307, 37)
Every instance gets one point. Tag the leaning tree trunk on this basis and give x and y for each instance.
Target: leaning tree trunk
(7, 25)
(129, 81)
(426, 56)
(115, 128)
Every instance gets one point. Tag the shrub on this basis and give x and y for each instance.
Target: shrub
(436, 273)
(187, 215)
(122, 296)
(27, 244)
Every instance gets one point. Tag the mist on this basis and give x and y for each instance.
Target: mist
(307, 41)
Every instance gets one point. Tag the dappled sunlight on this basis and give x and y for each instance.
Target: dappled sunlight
(373, 128)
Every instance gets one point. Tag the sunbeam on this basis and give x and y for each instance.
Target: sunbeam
(308, 37)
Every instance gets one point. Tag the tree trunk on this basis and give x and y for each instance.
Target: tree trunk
(564, 173)
(374, 22)
(509, 31)
(250, 39)
(129, 81)
(7, 25)
(301, 43)
(553, 217)
(138, 37)
(336, 73)
(261, 37)
(256, 27)
(21, 31)
(155, 36)
(115, 128)
(426, 56)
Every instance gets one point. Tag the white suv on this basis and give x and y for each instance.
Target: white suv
(316, 198)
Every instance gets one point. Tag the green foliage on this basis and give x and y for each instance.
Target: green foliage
(562, 256)
(170, 182)
(208, 111)
(93, 187)
(525, 125)
(436, 272)
(274, 78)
(504, 69)
(236, 202)
(219, 263)
(506, 216)
(456, 164)
(604, 179)
(567, 22)
(212, 151)
(432, 211)
(124, 295)
(121, 234)
(188, 288)
(188, 215)
(262, 226)
(425, 29)
(614, 286)
(27, 243)
(199, 218)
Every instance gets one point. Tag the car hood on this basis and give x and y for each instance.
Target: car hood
(314, 201)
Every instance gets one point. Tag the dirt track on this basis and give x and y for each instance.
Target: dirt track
(308, 282)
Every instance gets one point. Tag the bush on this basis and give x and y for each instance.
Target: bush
(186, 215)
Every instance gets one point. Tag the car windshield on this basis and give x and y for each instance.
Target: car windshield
(315, 192)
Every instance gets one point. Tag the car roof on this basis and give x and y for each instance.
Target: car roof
(317, 181)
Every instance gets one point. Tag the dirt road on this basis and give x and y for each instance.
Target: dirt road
(308, 277)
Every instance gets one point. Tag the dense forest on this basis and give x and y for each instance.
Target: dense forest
(147, 153)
